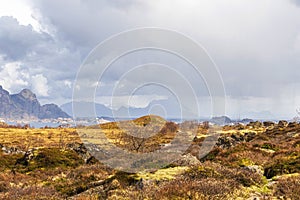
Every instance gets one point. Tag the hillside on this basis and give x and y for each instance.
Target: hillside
(25, 105)
(252, 161)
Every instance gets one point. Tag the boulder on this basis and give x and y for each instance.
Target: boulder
(255, 169)
(282, 123)
(187, 160)
(268, 124)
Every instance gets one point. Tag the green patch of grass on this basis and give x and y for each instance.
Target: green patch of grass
(54, 157)
(163, 174)
(201, 172)
(244, 162)
(49, 158)
(7, 161)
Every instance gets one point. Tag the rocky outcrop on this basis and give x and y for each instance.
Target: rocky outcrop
(256, 124)
(228, 141)
(187, 160)
(25, 105)
(221, 120)
(82, 151)
(282, 123)
(268, 124)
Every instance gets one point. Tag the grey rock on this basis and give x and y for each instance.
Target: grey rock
(187, 160)
(221, 120)
(254, 168)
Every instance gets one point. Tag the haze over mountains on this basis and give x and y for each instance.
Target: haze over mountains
(25, 105)
(170, 112)
(163, 108)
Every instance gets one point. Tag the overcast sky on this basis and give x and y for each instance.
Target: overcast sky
(254, 43)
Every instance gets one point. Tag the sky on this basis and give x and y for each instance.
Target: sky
(254, 43)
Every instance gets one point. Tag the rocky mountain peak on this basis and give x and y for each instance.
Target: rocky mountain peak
(2, 91)
(28, 94)
(25, 105)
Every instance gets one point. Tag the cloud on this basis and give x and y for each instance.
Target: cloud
(68, 83)
(94, 20)
(17, 41)
(12, 77)
(258, 55)
(297, 2)
(237, 40)
(37, 52)
(40, 85)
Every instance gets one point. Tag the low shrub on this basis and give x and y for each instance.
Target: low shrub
(48, 158)
(283, 165)
(288, 188)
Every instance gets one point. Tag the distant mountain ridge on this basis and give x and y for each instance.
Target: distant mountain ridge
(86, 109)
(25, 105)
(89, 109)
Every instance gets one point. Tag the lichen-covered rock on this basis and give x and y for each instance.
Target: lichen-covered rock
(187, 160)
(255, 168)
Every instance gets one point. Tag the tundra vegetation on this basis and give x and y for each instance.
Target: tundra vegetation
(252, 161)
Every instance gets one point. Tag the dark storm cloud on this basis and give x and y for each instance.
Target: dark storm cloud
(79, 26)
(37, 50)
(86, 23)
(38, 53)
(16, 41)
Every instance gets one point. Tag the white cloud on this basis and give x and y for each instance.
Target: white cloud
(13, 77)
(68, 83)
(21, 11)
(40, 85)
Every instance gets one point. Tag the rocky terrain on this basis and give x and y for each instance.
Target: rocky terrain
(25, 105)
(259, 160)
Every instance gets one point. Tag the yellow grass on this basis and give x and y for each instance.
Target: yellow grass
(36, 138)
(163, 174)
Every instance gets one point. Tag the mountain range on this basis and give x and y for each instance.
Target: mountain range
(25, 105)
(89, 109)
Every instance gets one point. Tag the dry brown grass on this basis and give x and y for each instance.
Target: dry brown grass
(25, 139)
(56, 172)
(288, 187)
